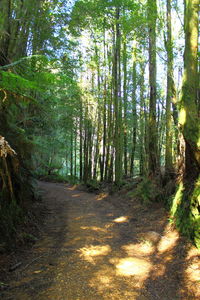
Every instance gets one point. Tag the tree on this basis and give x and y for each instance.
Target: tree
(170, 91)
(189, 109)
(185, 206)
(153, 140)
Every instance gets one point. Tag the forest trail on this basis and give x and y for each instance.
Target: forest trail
(94, 248)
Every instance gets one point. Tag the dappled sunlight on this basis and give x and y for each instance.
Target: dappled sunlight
(193, 253)
(113, 255)
(182, 116)
(101, 196)
(121, 219)
(159, 270)
(109, 225)
(132, 266)
(103, 278)
(168, 241)
(192, 272)
(84, 216)
(140, 248)
(111, 286)
(94, 228)
(89, 253)
(76, 196)
(72, 188)
(192, 280)
(150, 237)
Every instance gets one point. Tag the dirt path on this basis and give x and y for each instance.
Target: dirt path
(94, 249)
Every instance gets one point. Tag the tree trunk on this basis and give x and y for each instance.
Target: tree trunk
(81, 141)
(142, 122)
(125, 108)
(170, 93)
(153, 137)
(134, 116)
(71, 158)
(117, 102)
(189, 110)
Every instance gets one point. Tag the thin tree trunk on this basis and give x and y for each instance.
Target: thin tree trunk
(170, 92)
(75, 150)
(71, 158)
(134, 116)
(117, 103)
(142, 122)
(153, 136)
(125, 107)
(81, 141)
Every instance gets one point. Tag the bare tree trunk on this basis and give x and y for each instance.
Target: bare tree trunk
(170, 92)
(134, 116)
(153, 136)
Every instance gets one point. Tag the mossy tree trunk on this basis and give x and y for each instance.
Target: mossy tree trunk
(189, 110)
(186, 203)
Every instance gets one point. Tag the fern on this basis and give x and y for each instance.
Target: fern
(16, 83)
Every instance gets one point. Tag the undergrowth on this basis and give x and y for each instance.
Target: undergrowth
(147, 191)
(53, 178)
(11, 216)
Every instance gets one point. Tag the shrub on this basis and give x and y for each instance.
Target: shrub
(147, 191)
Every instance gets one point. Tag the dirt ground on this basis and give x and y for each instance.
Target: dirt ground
(104, 247)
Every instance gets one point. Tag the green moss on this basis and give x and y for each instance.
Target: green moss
(195, 212)
(185, 208)
(176, 200)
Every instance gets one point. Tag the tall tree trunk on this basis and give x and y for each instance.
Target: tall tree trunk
(125, 107)
(81, 141)
(170, 92)
(104, 110)
(85, 171)
(142, 122)
(185, 206)
(71, 158)
(134, 116)
(153, 140)
(75, 150)
(189, 110)
(98, 131)
(110, 114)
(117, 102)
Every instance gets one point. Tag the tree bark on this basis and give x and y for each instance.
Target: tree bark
(170, 92)
(189, 110)
(153, 136)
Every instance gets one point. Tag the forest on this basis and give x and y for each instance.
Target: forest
(100, 92)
